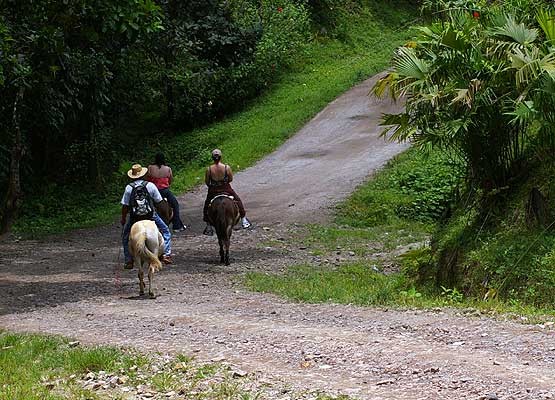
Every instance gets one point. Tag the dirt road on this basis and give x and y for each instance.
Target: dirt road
(71, 285)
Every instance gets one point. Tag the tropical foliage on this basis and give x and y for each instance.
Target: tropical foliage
(479, 85)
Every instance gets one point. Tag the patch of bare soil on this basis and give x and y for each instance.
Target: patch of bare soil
(74, 285)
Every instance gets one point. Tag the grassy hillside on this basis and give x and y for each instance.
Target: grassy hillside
(505, 252)
(409, 222)
(328, 68)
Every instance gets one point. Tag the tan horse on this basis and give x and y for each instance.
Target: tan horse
(223, 214)
(146, 245)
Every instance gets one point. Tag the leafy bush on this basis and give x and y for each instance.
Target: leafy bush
(480, 86)
(443, 5)
(415, 186)
(211, 90)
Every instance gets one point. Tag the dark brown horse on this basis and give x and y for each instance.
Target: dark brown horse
(223, 214)
(165, 211)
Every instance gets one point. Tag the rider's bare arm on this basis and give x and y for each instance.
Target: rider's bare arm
(229, 174)
(124, 211)
(170, 178)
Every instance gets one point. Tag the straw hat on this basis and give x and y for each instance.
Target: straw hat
(137, 171)
(216, 152)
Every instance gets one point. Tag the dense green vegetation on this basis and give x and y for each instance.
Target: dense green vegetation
(481, 89)
(86, 83)
(326, 67)
(480, 85)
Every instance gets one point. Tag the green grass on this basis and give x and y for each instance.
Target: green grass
(28, 361)
(401, 206)
(38, 367)
(358, 284)
(328, 68)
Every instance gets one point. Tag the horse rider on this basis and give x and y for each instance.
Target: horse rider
(138, 201)
(218, 177)
(161, 175)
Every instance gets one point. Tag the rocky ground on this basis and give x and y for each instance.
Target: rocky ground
(203, 310)
(74, 285)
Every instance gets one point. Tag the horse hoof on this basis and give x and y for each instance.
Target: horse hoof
(151, 296)
(141, 293)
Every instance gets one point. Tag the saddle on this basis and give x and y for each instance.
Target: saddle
(221, 195)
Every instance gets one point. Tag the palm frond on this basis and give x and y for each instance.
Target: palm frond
(454, 40)
(517, 32)
(530, 66)
(408, 65)
(546, 20)
(523, 113)
(386, 85)
(398, 127)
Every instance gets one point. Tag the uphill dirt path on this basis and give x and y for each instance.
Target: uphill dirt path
(71, 285)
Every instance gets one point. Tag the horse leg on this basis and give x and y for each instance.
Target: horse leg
(141, 279)
(150, 283)
(227, 242)
(222, 255)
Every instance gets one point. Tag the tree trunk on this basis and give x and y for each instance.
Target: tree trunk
(537, 210)
(14, 196)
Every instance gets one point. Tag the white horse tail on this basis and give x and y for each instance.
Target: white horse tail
(143, 251)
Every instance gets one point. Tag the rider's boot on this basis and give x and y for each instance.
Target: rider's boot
(245, 223)
(209, 230)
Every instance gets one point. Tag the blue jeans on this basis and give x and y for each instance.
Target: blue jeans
(166, 234)
(174, 204)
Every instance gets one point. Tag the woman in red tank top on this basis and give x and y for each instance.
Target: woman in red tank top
(161, 175)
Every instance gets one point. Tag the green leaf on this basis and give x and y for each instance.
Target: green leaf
(546, 20)
(407, 64)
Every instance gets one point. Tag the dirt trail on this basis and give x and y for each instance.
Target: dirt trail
(316, 168)
(70, 285)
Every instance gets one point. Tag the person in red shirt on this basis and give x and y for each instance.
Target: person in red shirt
(161, 175)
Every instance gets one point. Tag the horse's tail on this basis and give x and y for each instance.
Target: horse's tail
(146, 254)
(224, 218)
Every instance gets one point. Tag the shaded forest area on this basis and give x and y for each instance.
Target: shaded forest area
(86, 83)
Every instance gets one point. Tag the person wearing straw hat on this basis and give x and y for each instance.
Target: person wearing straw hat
(148, 193)
(218, 178)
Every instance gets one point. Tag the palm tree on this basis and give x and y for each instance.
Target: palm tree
(480, 86)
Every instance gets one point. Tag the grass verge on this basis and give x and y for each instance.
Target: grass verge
(38, 367)
(376, 253)
(329, 67)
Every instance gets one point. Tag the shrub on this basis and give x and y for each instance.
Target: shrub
(210, 90)
(480, 87)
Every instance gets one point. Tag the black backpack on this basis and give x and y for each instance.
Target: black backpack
(140, 202)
